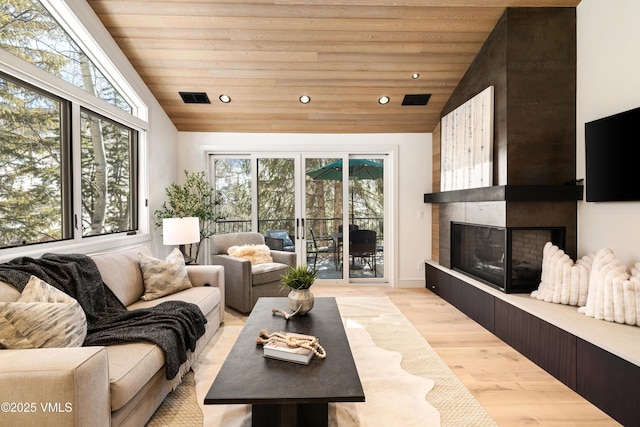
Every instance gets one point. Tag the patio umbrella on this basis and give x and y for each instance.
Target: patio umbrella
(358, 169)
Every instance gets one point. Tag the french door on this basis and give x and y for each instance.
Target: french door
(332, 217)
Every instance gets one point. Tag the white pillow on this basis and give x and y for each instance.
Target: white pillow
(43, 316)
(257, 254)
(163, 277)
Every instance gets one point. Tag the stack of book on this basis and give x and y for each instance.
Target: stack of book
(281, 351)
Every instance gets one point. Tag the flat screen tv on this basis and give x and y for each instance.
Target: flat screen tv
(612, 151)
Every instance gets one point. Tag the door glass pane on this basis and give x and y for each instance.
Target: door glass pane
(276, 202)
(323, 207)
(366, 218)
(232, 181)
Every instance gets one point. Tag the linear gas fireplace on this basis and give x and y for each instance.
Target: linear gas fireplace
(509, 259)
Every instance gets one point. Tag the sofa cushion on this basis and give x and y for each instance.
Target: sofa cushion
(8, 293)
(131, 366)
(163, 277)
(207, 298)
(267, 273)
(121, 273)
(21, 322)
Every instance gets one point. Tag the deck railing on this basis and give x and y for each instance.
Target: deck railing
(320, 226)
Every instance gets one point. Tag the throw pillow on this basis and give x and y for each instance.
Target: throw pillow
(43, 316)
(163, 277)
(257, 254)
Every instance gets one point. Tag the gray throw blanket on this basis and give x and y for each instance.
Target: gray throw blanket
(174, 326)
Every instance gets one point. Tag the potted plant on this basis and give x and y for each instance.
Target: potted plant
(299, 279)
(194, 198)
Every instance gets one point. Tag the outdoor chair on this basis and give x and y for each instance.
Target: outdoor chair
(362, 245)
(320, 245)
(245, 282)
(352, 227)
(279, 240)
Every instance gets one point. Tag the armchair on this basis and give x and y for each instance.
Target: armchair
(244, 282)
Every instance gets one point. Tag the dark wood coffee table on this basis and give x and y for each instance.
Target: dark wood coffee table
(285, 393)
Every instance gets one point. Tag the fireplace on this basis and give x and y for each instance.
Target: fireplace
(507, 258)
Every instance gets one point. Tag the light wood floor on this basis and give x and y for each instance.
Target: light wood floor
(514, 390)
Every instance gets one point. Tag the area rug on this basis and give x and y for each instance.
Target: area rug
(391, 330)
(405, 381)
(180, 407)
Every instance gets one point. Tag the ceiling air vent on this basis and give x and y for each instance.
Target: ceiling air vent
(416, 99)
(195, 97)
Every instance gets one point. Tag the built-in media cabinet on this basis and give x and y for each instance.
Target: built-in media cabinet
(599, 360)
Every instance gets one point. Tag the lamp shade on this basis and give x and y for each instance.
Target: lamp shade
(180, 231)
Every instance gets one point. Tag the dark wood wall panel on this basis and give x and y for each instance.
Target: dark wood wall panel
(473, 302)
(550, 347)
(541, 103)
(438, 282)
(610, 383)
(530, 59)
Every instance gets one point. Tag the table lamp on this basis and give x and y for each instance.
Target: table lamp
(181, 231)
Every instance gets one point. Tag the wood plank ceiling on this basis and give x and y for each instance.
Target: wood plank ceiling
(265, 54)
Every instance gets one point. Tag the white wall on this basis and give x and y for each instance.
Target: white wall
(413, 243)
(608, 82)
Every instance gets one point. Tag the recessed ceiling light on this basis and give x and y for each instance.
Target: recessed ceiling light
(225, 99)
(415, 76)
(383, 100)
(305, 99)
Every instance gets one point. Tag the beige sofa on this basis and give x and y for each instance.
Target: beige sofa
(117, 385)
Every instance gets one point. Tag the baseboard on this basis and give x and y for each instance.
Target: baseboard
(411, 283)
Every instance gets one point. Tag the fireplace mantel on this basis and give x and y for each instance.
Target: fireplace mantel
(509, 193)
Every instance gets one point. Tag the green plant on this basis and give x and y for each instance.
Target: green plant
(299, 277)
(195, 197)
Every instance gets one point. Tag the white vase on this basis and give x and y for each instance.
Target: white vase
(302, 298)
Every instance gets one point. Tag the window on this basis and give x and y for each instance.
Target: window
(108, 160)
(68, 172)
(29, 32)
(32, 185)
